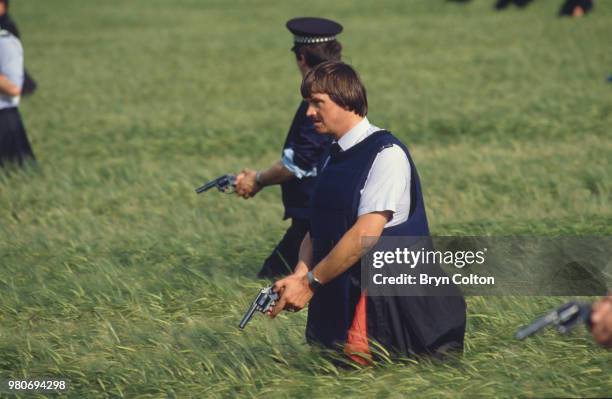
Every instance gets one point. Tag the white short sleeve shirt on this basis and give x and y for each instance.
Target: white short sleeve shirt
(11, 65)
(387, 187)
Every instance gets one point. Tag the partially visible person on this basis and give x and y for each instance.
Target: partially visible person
(502, 4)
(571, 8)
(14, 144)
(7, 23)
(314, 41)
(601, 320)
(575, 8)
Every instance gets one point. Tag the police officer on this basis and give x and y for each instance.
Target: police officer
(7, 23)
(14, 144)
(368, 187)
(314, 42)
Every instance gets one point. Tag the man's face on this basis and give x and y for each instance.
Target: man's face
(327, 116)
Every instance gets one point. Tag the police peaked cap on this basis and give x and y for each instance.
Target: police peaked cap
(309, 30)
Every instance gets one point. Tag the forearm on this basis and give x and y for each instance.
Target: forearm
(305, 256)
(350, 248)
(342, 257)
(275, 174)
(8, 88)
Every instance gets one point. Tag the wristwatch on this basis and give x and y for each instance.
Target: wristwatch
(313, 282)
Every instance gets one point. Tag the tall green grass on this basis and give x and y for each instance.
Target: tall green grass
(117, 277)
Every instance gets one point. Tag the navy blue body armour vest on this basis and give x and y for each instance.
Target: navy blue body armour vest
(402, 324)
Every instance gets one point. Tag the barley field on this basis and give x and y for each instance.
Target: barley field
(116, 277)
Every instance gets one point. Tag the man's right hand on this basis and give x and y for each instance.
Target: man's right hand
(294, 291)
(601, 319)
(246, 183)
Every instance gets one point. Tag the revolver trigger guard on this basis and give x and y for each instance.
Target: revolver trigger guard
(227, 189)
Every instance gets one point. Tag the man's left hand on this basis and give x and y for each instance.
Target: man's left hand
(295, 293)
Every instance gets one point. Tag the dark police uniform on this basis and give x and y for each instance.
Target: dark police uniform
(14, 144)
(307, 147)
(302, 152)
(405, 325)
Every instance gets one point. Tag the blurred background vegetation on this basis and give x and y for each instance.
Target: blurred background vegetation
(117, 277)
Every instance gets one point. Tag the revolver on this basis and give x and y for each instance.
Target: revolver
(563, 319)
(264, 301)
(225, 184)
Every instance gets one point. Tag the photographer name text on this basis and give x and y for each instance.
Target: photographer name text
(436, 281)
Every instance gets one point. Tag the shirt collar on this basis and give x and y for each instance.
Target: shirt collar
(355, 135)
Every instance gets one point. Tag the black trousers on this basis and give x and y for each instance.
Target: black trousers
(14, 144)
(284, 257)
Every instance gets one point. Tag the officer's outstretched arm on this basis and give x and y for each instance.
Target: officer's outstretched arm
(277, 173)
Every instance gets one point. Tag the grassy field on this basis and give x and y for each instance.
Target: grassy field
(115, 276)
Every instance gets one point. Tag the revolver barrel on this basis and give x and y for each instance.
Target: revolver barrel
(206, 187)
(262, 303)
(247, 317)
(223, 183)
(564, 319)
(537, 325)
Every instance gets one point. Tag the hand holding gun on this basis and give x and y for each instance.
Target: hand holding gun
(602, 321)
(563, 319)
(225, 184)
(264, 301)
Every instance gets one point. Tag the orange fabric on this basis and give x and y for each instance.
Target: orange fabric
(357, 347)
